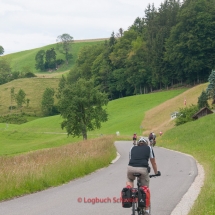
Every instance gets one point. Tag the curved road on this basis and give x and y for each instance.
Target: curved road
(178, 172)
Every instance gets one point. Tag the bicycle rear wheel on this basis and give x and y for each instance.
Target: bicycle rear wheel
(133, 208)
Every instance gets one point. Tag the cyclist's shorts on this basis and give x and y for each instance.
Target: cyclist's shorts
(144, 178)
(134, 138)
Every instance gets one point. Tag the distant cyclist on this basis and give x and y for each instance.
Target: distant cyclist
(139, 163)
(135, 139)
(152, 139)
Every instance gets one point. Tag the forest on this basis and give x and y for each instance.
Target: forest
(173, 45)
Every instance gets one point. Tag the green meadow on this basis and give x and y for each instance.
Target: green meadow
(27, 58)
(125, 116)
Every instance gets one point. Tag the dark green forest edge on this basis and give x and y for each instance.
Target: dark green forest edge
(171, 45)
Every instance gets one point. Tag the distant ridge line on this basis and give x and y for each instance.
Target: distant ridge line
(91, 40)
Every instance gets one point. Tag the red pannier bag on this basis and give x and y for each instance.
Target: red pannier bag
(144, 197)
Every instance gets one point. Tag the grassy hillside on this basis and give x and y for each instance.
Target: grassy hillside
(33, 87)
(158, 118)
(125, 116)
(27, 58)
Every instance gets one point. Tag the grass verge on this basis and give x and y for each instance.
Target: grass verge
(27, 173)
(197, 139)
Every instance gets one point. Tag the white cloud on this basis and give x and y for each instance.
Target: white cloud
(5, 8)
(45, 20)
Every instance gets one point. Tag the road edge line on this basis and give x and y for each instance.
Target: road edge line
(116, 159)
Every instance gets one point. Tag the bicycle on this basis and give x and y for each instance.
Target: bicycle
(152, 142)
(134, 142)
(135, 196)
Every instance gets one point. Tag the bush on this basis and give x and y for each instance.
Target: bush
(59, 61)
(185, 114)
(13, 119)
(29, 75)
(12, 107)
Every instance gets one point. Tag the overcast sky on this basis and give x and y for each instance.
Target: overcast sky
(28, 24)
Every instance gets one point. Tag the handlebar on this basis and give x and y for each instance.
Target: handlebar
(158, 174)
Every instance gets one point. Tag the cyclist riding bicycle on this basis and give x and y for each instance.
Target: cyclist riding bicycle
(152, 138)
(134, 139)
(139, 163)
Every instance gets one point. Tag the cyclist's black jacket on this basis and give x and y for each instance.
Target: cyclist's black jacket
(139, 156)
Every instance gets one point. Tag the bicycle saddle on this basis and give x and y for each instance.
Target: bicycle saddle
(137, 174)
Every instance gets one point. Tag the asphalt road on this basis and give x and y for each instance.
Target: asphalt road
(78, 197)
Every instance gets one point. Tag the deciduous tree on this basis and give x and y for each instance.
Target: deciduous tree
(47, 103)
(5, 71)
(50, 59)
(82, 107)
(20, 98)
(39, 58)
(1, 50)
(64, 45)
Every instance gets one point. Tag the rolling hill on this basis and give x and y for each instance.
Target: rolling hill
(27, 58)
(158, 118)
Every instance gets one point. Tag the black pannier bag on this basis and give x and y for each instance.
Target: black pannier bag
(126, 197)
(141, 198)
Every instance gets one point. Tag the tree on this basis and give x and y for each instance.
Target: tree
(211, 87)
(39, 58)
(190, 47)
(1, 50)
(120, 33)
(12, 96)
(47, 103)
(82, 107)
(27, 102)
(203, 100)
(5, 71)
(64, 45)
(20, 98)
(50, 59)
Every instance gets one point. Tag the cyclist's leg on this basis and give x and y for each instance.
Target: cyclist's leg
(130, 177)
(144, 180)
(151, 142)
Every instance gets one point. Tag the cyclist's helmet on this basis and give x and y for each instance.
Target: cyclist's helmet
(143, 140)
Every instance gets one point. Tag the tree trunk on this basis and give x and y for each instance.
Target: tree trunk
(84, 132)
(141, 90)
(85, 136)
